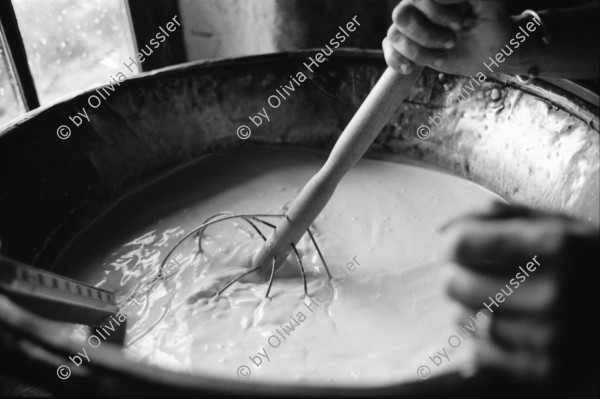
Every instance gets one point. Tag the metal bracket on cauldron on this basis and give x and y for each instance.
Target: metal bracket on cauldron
(53, 296)
(422, 91)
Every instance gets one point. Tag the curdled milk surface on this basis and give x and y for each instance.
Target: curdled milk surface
(381, 319)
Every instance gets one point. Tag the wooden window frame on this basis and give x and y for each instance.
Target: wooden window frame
(144, 16)
(17, 57)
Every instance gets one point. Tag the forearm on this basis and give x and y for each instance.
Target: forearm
(573, 49)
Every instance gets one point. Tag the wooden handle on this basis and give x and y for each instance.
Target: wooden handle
(377, 109)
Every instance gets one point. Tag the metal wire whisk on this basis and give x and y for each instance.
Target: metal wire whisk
(252, 220)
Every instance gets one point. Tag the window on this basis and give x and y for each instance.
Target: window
(11, 104)
(73, 45)
(53, 49)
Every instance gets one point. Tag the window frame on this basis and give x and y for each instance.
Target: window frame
(144, 17)
(16, 55)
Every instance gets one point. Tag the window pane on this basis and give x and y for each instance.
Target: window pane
(74, 44)
(10, 97)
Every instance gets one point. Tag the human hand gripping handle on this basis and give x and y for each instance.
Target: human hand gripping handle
(452, 36)
(379, 106)
(457, 36)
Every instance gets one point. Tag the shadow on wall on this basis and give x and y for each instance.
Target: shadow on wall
(215, 29)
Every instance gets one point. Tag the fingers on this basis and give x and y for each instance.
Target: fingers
(522, 347)
(413, 24)
(445, 2)
(396, 60)
(508, 331)
(436, 12)
(474, 322)
(422, 32)
(500, 245)
(522, 364)
(495, 210)
(513, 333)
(517, 295)
(415, 52)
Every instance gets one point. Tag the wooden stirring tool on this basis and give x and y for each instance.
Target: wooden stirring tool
(377, 109)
